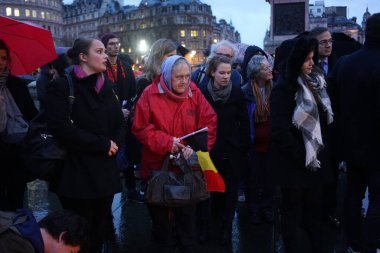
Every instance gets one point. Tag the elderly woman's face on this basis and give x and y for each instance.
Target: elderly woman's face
(3, 60)
(180, 78)
(266, 71)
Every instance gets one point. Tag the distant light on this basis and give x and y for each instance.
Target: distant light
(215, 41)
(143, 46)
(192, 53)
(122, 50)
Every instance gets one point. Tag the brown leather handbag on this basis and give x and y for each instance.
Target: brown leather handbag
(175, 189)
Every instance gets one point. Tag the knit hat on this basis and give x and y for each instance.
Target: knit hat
(106, 37)
(372, 30)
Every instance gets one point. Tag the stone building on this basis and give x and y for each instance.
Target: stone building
(45, 13)
(190, 23)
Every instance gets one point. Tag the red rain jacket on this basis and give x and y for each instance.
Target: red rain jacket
(158, 119)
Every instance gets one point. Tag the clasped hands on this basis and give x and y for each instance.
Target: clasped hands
(187, 151)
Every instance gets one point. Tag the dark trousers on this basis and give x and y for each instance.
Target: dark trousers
(96, 212)
(173, 227)
(224, 204)
(361, 236)
(260, 192)
(300, 209)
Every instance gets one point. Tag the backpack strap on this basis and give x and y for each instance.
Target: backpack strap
(71, 94)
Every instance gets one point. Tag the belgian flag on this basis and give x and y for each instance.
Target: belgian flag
(198, 142)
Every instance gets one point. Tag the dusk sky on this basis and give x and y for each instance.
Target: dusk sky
(252, 17)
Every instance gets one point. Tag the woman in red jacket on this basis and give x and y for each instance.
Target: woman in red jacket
(170, 108)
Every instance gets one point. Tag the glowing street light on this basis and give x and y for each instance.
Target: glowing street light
(143, 46)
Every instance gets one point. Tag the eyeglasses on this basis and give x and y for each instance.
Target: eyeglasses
(227, 55)
(114, 43)
(326, 42)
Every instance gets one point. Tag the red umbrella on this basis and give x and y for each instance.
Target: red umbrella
(31, 46)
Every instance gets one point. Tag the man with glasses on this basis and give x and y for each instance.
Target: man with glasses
(326, 61)
(225, 48)
(325, 41)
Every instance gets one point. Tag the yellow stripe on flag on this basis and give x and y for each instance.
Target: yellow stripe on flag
(214, 181)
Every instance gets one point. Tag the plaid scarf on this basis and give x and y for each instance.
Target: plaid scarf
(306, 115)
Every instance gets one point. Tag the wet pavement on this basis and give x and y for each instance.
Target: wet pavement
(132, 227)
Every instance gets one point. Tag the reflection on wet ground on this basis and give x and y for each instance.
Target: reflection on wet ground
(132, 227)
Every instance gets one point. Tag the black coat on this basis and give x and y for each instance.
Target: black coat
(13, 176)
(355, 91)
(287, 151)
(232, 136)
(89, 172)
(10, 154)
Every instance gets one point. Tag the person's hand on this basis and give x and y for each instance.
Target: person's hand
(187, 152)
(175, 147)
(113, 149)
(126, 113)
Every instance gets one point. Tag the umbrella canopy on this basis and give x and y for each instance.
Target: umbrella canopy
(31, 46)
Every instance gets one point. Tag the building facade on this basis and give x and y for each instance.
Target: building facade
(45, 13)
(190, 23)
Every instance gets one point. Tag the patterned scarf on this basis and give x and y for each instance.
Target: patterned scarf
(306, 115)
(113, 76)
(3, 90)
(80, 73)
(219, 94)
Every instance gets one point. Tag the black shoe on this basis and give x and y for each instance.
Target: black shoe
(333, 221)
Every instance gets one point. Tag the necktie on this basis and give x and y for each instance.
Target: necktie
(323, 66)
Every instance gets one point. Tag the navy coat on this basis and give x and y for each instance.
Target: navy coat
(354, 87)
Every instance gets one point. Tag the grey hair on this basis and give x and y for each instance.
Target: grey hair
(180, 61)
(223, 43)
(254, 66)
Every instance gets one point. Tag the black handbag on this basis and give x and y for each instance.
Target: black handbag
(175, 189)
(43, 154)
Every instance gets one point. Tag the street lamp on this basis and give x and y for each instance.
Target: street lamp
(143, 46)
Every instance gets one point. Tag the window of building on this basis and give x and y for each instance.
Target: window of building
(204, 33)
(16, 12)
(8, 11)
(142, 26)
(27, 13)
(194, 33)
(176, 8)
(48, 15)
(34, 13)
(182, 33)
(319, 10)
(42, 14)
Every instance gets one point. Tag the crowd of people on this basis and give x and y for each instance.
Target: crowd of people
(274, 128)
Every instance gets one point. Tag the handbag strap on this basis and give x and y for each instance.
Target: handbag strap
(71, 94)
(165, 165)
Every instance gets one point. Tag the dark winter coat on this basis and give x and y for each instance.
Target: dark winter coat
(232, 138)
(125, 88)
(88, 172)
(12, 171)
(355, 91)
(287, 151)
(10, 154)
